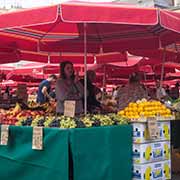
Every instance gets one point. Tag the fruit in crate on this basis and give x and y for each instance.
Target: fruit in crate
(144, 108)
(87, 121)
(15, 110)
(104, 120)
(68, 122)
(118, 119)
(32, 104)
(51, 108)
(27, 117)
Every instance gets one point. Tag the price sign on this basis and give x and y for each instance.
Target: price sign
(69, 108)
(37, 143)
(153, 128)
(4, 134)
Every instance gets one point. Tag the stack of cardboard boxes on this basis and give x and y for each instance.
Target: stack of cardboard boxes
(151, 157)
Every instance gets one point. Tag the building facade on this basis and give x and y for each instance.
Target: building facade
(152, 3)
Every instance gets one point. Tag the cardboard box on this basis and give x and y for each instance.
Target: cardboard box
(152, 171)
(151, 152)
(141, 134)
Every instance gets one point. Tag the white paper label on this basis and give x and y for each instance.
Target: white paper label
(4, 134)
(153, 128)
(69, 108)
(37, 138)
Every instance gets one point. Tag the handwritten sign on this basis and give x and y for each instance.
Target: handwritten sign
(153, 128)
(4, 134)
(69, 108)
(37, 143)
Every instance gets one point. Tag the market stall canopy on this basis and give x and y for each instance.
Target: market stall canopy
(173, 75)
(165, 83)
(111, 27)
(35, 69)
(170, 55)
(10, 56)
(6, 69)
(121, 69)
(169, 67)
(77, 58)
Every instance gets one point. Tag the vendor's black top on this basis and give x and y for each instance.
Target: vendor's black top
(40, 96)
(91, 99)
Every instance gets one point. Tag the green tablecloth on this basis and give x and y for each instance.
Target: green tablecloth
(102, 153)
(19, 162)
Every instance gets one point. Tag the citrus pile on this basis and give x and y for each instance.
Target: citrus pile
(146, 109)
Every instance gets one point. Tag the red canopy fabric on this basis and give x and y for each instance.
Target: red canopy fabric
(37, 71)
(77, 58)
(110, 28)
(12, 83)
(107, 13)
(173, 75)
(43, 57)
(169, 67)
(6, 69)
(170, 55)
(118, 70)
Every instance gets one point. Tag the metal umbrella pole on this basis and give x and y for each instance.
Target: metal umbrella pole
(49, 58)
(162, 69)
(85, 68)
(104, 81)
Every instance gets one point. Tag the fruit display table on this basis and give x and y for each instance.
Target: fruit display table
(103, 153)
(100, 153)
(18, 161)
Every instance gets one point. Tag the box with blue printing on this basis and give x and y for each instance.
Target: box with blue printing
(152, 171)
(151, 152)
(141, 133)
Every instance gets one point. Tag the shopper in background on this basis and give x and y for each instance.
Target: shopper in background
(45, 88)
(92, 102)
(68, 87)
(167, 90)
(7, 90)
(115, 92)
(175, 92)
(132, 92)
(160, 92)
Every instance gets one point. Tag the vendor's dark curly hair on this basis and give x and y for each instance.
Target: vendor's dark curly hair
(62, 67)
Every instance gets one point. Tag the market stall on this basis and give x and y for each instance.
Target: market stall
(100, 152)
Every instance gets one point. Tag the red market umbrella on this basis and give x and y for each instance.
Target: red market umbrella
(35, 69)
(169, 67)
(70, 27)
(173, 75)
(110, 27)
(170, 55)
(77, 58)
(6, 69)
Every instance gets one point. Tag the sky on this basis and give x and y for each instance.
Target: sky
(36, 3)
